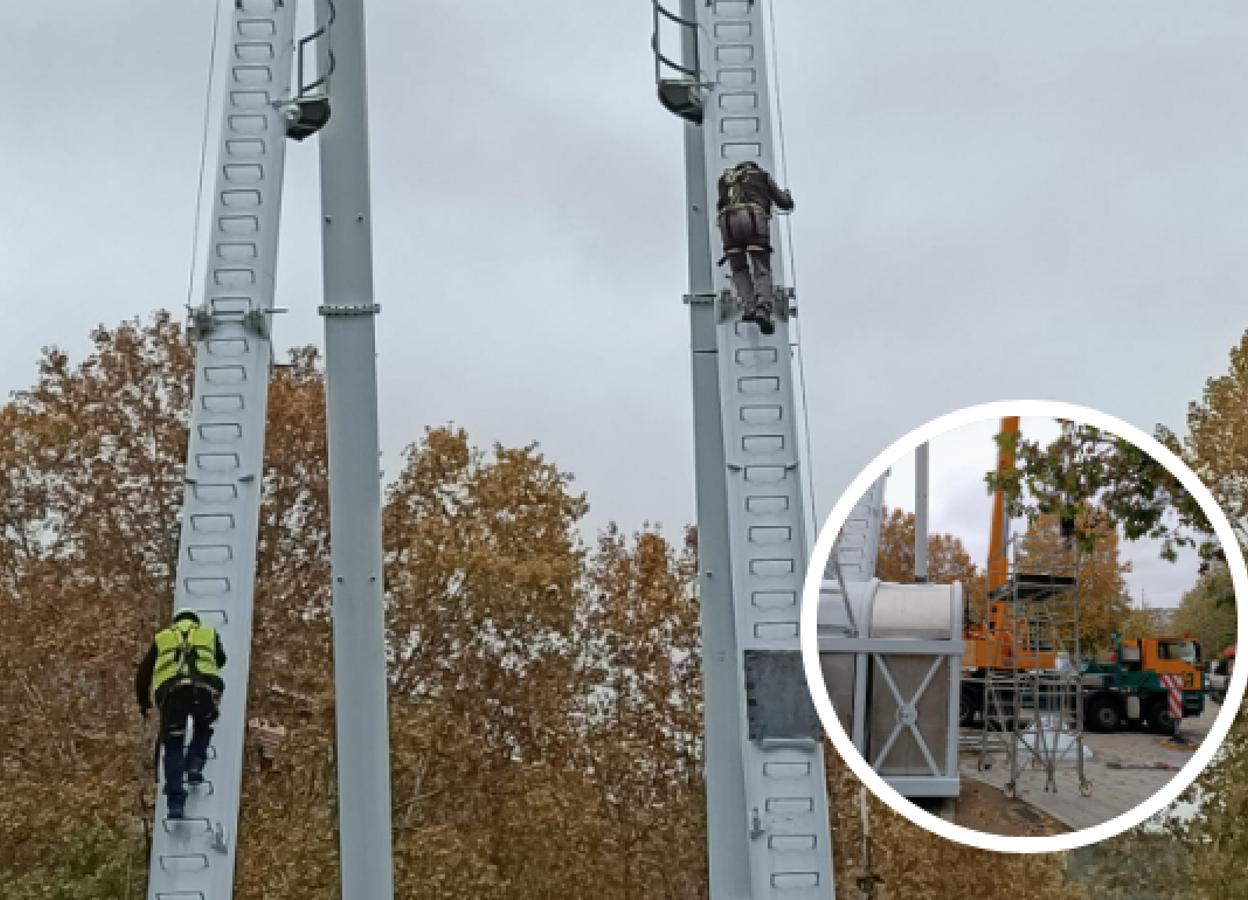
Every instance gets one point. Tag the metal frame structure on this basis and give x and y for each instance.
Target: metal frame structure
(193, 858)
(1033, 717)
(869, 654)
(767, 819)
(892, 657)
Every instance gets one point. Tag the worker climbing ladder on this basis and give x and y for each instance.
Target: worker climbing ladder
(193, 858)
(766, 797)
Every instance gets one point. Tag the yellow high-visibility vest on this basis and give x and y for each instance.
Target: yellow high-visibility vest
(184, 649)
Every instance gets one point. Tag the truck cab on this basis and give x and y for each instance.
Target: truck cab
(1128, 687)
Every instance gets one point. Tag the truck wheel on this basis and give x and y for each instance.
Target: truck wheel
(1101, 714)
(968, 707)
(1159, 719)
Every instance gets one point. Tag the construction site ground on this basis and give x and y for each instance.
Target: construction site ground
(1126, 768)
(985, 808)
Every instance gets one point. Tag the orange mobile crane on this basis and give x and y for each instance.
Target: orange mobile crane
(998, 641)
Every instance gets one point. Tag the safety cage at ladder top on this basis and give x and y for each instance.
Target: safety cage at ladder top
(891, 657)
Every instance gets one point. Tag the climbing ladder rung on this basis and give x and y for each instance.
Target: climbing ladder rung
(166, 858)
(172, 824)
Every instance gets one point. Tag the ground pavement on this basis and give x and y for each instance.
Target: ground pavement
(1120, 770)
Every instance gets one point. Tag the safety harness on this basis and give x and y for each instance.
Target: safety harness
(736, 182)
(185, 653)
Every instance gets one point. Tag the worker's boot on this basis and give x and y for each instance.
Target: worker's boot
(763, 318)
(749, 310)
(194, 770)
(176, 806)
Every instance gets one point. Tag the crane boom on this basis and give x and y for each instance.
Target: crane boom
(998, 565)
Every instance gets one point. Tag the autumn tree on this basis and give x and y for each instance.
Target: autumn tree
(544, 696)
(92, 459)
(1208, 612)
(1216, 837)
(1086, 464)
(1146, 862)
(1101, 591)
(483, 568)
(489, 598)
(642, 714)
(91, 485)
(1092, 477)
(1216, 445)
(1140, 623)
(93, 456)
(1202, 855)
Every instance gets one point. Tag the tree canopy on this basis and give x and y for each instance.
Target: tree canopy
(1093, 479)
(545, 689)
(1102, 589)
(1208, 612)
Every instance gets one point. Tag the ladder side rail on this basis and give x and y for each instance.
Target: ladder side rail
(224, 471)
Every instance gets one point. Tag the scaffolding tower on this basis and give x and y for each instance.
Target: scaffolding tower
(1033, 709)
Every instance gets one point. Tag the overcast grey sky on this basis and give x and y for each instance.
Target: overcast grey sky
(995, 199)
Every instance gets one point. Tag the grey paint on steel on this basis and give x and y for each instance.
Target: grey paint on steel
(364, 833)
(221, 505)
(906, 666)
(767, 805)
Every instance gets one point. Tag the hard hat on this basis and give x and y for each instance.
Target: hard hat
(186, 613)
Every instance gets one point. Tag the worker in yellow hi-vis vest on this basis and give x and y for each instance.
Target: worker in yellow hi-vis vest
(182, 670)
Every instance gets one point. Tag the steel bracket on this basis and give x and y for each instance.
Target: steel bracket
(350, 309)
(783, 304)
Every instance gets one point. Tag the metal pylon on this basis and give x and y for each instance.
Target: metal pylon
(767, 803)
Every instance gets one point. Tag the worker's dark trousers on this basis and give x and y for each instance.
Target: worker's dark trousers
(198, 704)
(747, 242)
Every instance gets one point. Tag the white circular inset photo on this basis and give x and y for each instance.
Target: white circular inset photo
(1019, 626)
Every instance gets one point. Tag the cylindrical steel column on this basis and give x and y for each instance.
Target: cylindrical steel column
(354, 476)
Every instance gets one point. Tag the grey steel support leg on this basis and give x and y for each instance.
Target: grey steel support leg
(354, 476)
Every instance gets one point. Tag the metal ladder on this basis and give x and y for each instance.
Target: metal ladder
(768, 829)
(193, 858)
(858, 544)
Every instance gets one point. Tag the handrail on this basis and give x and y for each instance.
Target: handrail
(661, 59)
(690, 23)
(305, 89)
